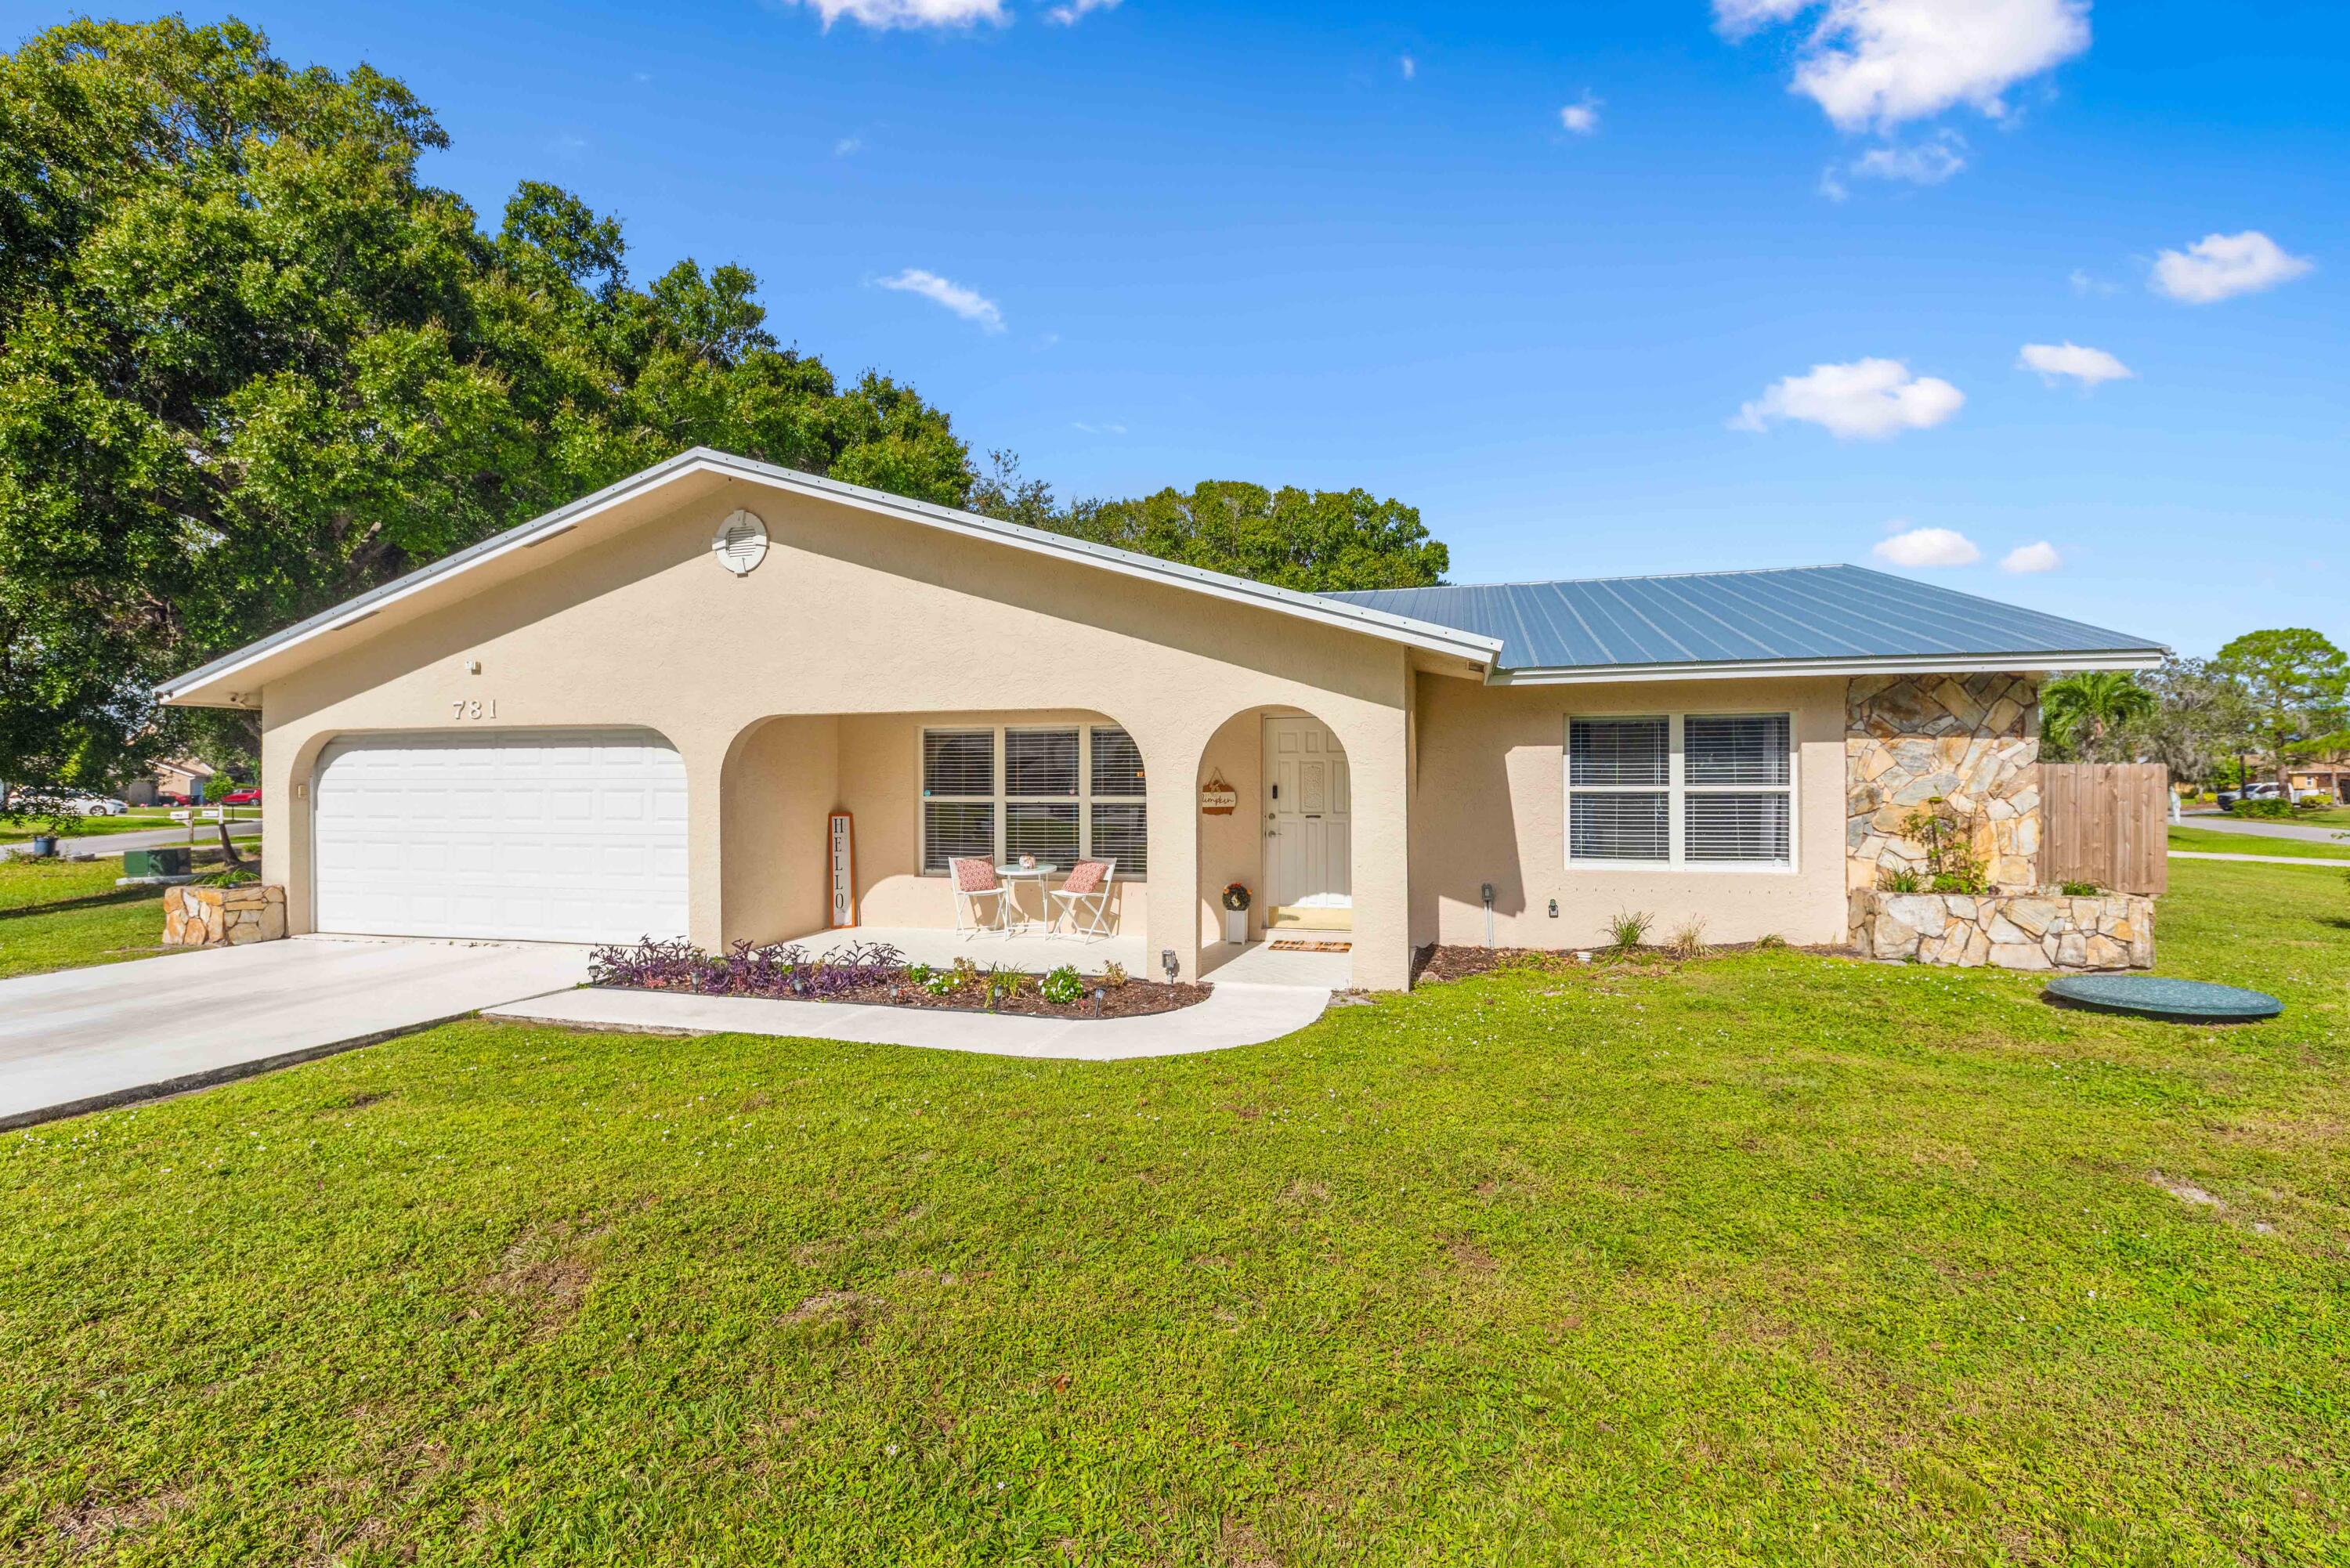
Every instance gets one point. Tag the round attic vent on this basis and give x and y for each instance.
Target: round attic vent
(741, 543)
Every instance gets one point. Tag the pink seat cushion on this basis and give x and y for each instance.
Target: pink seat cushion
(975, 877)
(1084, 877)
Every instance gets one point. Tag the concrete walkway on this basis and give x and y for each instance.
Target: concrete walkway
(2260, 859)
(83, 1039)
(1235, 1013)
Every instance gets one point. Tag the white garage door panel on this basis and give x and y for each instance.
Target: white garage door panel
(525, 834)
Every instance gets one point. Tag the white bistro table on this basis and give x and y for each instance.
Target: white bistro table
(1012, 876)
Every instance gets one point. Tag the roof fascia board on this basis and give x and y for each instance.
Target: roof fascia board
(1954, 664)
(1478, 649)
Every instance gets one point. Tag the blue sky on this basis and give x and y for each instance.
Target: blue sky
(1194, 241)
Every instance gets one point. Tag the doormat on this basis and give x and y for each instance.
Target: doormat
(1311, 946)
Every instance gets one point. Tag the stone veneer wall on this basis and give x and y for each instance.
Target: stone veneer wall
(1974, 740)
(2015, 930)
(223, 916)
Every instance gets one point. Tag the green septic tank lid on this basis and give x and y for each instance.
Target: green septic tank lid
(2181, 1001)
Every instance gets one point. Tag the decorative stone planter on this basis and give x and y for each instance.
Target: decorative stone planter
(2038, 928)
(223, 916)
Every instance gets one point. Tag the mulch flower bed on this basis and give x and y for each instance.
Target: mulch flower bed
(877, 975)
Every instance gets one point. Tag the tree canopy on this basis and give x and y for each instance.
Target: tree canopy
(1312, 540)
(2295, 682)
(251, 364)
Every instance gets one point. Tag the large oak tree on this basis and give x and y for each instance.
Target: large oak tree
(251, 364)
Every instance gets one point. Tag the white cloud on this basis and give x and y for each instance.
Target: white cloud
(886, 13)
(1923, 163)
(848, 145)
(967, 303)
(2086, 365)
(1067, 16)
(2086, 284)
(1927, 547)
(1882, 62)
(2038, 557)
(1409, 65)
(1097, 429)
(1926, 162)
(1869, 398)
(2220, 267)
(1581, 117)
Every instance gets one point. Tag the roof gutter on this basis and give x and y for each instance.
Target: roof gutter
(2067, 662)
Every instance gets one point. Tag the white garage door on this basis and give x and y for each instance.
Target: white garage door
(572, 835)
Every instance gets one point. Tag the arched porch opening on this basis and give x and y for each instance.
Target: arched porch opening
(922, 790)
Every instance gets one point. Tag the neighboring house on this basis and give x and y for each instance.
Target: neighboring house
(2333, 778)
(636, 714)
(181, 776)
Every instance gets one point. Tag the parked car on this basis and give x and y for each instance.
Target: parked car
(173, 797)
(72, 801)
(2225, 798)
(249, 796)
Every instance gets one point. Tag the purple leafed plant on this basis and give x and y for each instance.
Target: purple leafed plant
(778, 970)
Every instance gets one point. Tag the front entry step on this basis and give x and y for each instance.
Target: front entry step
(1300, 918)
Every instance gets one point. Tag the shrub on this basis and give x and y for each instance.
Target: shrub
(1770, 941)
(1063, 986)
(233, 877)
(1628, 930)
(1899, 880)
(1688, 943)
(1951, 864)
(1113, 975)
(2260, 808)
(2082, 890)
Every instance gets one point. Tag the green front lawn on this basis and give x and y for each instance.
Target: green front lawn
(138, 819)
(2219, 841)
(1774, 1258)
(60, 914)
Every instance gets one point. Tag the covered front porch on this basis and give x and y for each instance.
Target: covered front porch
(844, 827)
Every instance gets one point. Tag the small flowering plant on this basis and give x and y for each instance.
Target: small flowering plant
(1236, 896)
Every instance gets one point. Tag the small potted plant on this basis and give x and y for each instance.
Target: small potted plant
(1236, 903)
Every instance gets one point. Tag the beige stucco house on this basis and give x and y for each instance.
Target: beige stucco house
(642, 713)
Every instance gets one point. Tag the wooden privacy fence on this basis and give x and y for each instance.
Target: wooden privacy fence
(2106, 823)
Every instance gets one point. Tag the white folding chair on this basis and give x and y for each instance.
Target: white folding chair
(1083, 899)
(981, 903)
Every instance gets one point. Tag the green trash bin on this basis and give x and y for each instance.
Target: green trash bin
(168, 862)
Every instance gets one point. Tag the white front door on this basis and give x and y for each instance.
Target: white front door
(531, 836)
(1308, 816)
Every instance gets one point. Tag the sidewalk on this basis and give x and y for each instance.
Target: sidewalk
(1235, 1013)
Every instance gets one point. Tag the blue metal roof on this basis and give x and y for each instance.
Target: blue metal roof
(1800, 614)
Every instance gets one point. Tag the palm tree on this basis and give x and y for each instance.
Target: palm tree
(2080, 713)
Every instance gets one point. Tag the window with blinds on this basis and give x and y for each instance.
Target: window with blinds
(1737, 775)
(1680, 789)
(1060, 795)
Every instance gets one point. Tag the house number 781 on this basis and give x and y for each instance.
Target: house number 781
(474, 707)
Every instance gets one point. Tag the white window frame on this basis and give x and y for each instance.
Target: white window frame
(1083, 799)
(1677, 790)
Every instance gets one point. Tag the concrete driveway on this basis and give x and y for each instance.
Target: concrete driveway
(82, 1039)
